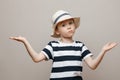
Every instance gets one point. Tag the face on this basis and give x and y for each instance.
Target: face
(66, 28)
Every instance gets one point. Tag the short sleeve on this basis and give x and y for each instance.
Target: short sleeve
(85, 52)
(48, 51)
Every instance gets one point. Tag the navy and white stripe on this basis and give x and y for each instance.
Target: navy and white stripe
(67, 59)
(60, 17)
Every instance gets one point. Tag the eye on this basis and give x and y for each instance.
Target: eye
(71, 22)
(63, 25)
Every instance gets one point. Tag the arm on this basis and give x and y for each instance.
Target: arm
(93, 63)
(34, 55)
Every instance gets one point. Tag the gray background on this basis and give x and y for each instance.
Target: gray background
(100, 23)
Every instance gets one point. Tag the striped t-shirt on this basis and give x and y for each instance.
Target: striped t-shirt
(67, 59)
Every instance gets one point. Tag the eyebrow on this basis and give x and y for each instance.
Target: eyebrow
(65, 21)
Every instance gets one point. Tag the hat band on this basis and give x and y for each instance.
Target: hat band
(60, 16)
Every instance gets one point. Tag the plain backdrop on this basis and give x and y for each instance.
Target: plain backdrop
(100, 23)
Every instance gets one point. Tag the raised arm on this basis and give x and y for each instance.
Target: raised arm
(93, 63)
(36, 57)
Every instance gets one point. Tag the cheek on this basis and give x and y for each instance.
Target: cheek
(59, 31)
(73, 28)
(62, 30)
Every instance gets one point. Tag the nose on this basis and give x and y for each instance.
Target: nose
(68, 26)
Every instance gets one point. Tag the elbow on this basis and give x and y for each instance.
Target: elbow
(36, 60)
(93, 67)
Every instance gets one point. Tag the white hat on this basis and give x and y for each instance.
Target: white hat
(60, 16)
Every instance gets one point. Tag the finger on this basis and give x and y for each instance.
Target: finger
(115, 44)
(112, 43)
(13, 38)
(109, 43)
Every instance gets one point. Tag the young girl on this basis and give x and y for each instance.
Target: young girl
(67, 54)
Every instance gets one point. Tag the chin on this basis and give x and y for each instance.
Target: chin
(71, 35)
(68, 35)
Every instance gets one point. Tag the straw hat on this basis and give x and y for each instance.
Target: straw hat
(60, 16)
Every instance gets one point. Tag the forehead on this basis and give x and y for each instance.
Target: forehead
(65, 21)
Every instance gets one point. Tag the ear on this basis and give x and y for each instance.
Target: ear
(57, 32)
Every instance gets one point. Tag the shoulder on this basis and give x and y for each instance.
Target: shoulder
(80, 43)
(52, 42)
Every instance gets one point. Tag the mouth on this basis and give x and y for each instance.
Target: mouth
(70, 31)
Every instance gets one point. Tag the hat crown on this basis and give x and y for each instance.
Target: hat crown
(58, 14)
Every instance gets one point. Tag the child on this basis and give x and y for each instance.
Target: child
(67, 54)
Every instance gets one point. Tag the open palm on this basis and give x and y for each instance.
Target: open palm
(109, 46)
(19, 38)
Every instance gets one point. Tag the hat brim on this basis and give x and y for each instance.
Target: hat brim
(76, 21)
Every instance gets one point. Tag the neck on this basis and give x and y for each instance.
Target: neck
(66, 40)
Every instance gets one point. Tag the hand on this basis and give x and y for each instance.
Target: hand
(109, 46)
(19, 38)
